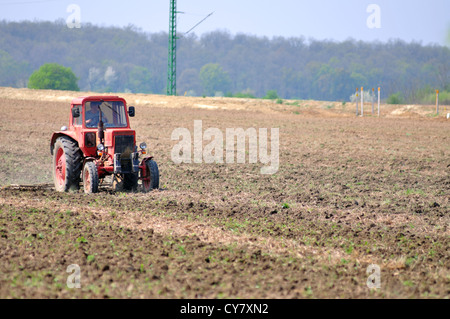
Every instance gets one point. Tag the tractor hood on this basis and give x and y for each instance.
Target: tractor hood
(120, 140)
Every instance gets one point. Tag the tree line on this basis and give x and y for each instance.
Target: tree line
(111, 59)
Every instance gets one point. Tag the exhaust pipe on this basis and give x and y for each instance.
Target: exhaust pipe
(101, 132)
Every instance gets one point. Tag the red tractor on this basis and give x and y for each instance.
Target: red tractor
(98, 143)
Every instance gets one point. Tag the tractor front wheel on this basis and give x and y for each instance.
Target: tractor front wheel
(90, 178)
(150, 176)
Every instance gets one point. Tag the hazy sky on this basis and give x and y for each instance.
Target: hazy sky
(425, 21)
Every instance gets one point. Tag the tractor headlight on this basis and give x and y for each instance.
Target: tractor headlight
(143, 147)
(100, 149)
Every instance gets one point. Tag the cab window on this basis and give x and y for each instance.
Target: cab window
(113, 114)
(77, 120)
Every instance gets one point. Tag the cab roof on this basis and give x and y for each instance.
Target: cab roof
(82, 99)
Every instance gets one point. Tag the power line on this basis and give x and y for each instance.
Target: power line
(199, 22)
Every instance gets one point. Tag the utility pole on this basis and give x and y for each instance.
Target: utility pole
(437, 102)
(172, 63)
(357, 99)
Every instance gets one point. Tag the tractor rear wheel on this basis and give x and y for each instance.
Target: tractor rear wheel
(150, 176)
(67, 162)
(90, 178)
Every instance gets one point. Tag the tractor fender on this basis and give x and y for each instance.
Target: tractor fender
(57, 135)
(145, 160)
(88, 159)
(143, 166)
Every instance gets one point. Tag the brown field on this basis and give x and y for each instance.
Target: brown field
(350, 192)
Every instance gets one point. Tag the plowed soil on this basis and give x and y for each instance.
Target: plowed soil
(350, 192)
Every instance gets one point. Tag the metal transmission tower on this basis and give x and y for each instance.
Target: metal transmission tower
(172, 65)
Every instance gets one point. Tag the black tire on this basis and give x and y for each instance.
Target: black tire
(90, 178)
(153, 170)
(67, 175)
